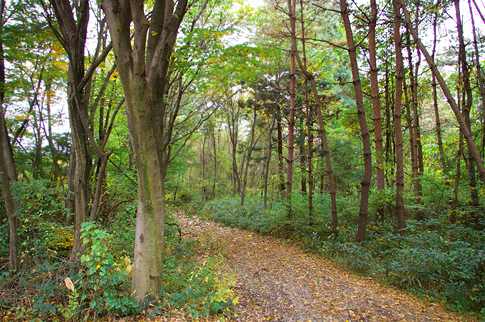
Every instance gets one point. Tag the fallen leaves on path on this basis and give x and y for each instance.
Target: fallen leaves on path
(278, 282)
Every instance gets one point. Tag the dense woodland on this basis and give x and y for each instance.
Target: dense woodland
(355, 128)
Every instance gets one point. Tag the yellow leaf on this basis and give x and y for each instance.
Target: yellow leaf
(154, 33)
(235, 301)
(69, 284)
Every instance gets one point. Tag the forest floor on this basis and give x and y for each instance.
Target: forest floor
(277, 281)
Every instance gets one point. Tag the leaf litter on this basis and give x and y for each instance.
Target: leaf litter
(279, 282)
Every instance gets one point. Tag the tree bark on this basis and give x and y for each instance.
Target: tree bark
(456, 110)
(397, 120)
(268, 161)
(326, 150)
(143, 69)
(7, 165)
(376, 103)
(309, 124)
(281, 167)
(252, 143)
(481, 85)
(435, 101)
(359, 101)
(73, 38)
(291, 122)
(466, 102)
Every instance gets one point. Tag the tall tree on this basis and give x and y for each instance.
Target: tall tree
(291, 123)
(446, 91)
(376, 102)
(359, 101)
(73, 21)
(143, 68)
(435, 96)
(397, 118)
(481, 83)
(7, 165)
(466, 101)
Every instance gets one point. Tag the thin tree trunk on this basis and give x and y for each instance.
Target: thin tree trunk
(308, 120)
(435, 101)
(7, 165)
(456, 185)
(252, 143)
(466, 102)
(291, 123)
(414, 130)
(268, 161)
(365, 183)
(389, 127)
(281, 167)
(397, 120)
(456, 110)
(326, 150)
(376, 104)
(480, 80)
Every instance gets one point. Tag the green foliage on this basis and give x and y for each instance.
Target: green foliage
(107, 279)
(443, 261)
(436, 259)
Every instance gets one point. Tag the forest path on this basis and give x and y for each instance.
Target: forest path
(278, 282)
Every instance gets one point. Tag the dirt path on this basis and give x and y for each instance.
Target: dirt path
(278, 282)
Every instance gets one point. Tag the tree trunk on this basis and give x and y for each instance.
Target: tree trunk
(359, 101)
(143, 69)
(456, 185)
(73, 38)
(281, 167)
(397, 120)
(414, 130)
(376, 104)
(456, 110)
(252, 143)
(268, 161)
(326, 150)
(480, 80)
(466, 103)
(291, 123)
(309, 123)
(7, 165)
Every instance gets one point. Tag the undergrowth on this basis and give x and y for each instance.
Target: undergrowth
(48, 287)
(441, 261)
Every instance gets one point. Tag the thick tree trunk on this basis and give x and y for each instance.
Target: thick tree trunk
(446, 91)
(143, 70)
(397, 120)
(359, 101)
